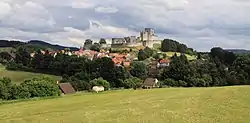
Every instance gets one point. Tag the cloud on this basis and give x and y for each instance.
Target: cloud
(200, 24)
(106, 9)
(4, 9)
(83, 4)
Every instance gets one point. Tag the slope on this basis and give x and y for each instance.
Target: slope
(178, 105)
(20, 76)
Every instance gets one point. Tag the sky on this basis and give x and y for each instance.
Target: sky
(201, 24)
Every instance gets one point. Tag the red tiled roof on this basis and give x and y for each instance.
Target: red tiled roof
(164, 61)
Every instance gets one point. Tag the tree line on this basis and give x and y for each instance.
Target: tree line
(170, 45)
(217, 68)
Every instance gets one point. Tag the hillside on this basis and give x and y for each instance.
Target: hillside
(34, 43)
(52, 46)
(20, 76)
(239, 51)
(172, 105)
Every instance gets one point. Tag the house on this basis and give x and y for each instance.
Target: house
(126, 64)
(150, 83)
(88, 53)
(32, 55)
(163, 63)
(66, 88)
(118, 61)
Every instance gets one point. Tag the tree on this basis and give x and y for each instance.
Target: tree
(148, 51)
(22, 56)
(169, 45)
(102, 41)
(179, 69)
(142, 55)
(36, 62)
(95, 47)
(120, 74)
(182, 48)
(138, 69)
(100, 82)
(103, 67)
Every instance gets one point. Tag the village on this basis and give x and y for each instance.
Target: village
(147, 38)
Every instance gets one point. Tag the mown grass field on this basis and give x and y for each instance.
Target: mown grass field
(170, 105)
(19, 76)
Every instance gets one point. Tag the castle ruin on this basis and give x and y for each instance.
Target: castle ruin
(147, 38)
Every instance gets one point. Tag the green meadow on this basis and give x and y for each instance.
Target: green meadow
(168, 105)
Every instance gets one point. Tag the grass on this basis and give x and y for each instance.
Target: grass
(19, 76)
(6, 49)
(189, 57)
(172, 105)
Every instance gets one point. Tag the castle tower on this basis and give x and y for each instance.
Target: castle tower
(147, 36)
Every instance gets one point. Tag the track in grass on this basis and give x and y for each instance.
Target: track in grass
(173, 105)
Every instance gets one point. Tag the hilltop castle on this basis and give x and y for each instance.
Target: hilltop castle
(147, 39)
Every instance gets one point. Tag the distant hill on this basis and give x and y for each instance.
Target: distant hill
(34, 43)
(6, 43)
(52, 46)
(239, 51)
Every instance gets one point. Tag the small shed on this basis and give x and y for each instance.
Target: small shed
(150, 83)
(66, 88)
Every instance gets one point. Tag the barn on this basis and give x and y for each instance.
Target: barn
(66, 88)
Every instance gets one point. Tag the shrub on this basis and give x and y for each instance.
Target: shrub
(173, 83)
(132, 83)
(5, 87)
(80, 85)
(19, 92)
(41, 87)
(100, 82)
(182, 83)
(198, 82)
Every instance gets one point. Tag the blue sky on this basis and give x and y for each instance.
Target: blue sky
(200, 24)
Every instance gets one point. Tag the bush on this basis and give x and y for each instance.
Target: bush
(198, 82)
(100, 82)
(80, 85)
(20, 92)
(41, 87)
(173, 83)
(132, 83)
(5, 87)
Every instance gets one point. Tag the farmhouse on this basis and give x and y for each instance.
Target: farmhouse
(150, 83)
